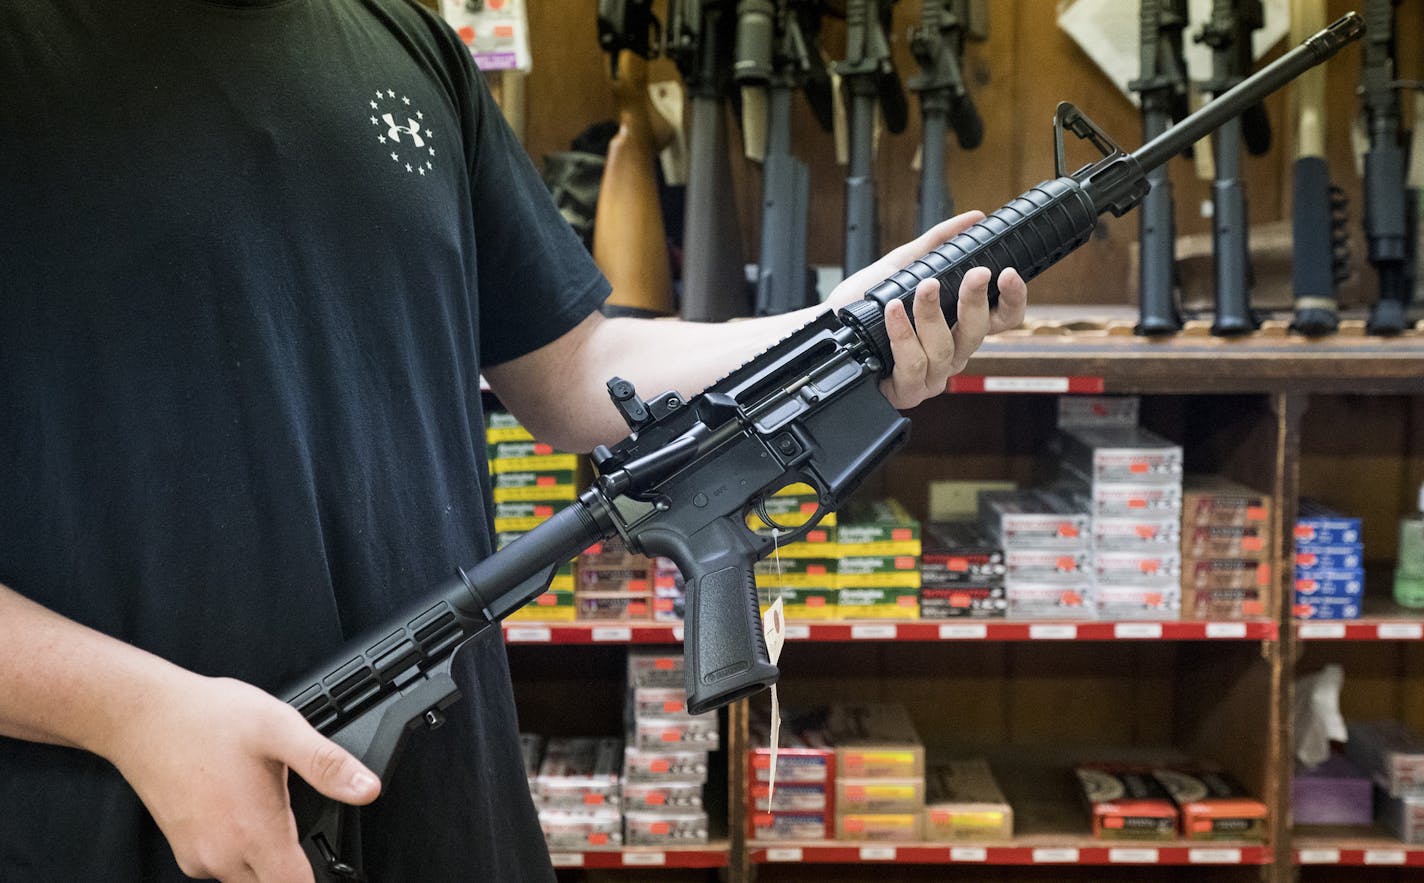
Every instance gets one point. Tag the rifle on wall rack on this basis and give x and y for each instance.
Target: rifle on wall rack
(869, 80)
(684, 483)
(1228, 33)
(937, 43)
(1387, 226)
(783, 284)
(1162, 82)
(1317, 235)
(699, 38)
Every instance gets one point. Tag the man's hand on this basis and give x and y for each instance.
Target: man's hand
(929, 352)
(209, 758)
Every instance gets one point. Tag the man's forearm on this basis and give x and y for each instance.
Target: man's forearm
(65, 683)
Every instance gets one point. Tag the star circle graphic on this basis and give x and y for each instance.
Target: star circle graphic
(401, 131)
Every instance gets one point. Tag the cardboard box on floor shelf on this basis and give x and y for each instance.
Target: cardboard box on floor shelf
(1213, 805)
(875, 741)
(1126, 802)
(963, 803)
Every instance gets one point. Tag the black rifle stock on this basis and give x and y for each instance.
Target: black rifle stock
(937, 43)
(1228, 33)
(870, 81)
(1162, 82)
(1386, 215)
(1313, 200)
(684, 483)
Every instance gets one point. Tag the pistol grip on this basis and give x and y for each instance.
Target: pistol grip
(725, 651)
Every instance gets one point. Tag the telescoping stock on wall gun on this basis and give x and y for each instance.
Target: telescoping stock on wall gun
(685, 481)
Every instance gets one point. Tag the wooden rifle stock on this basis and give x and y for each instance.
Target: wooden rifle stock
(629, 240)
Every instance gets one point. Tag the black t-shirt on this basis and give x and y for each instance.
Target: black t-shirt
(252, 257)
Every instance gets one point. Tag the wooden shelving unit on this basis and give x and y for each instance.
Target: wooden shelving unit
(1283, 415)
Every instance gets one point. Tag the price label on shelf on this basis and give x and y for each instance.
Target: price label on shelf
(1400, 631)
(1052, 856)
(964, 632)
(968, 854)
(1384, 857)
(1138, 630)
(1132, 856)
(1214, 856)
(1053, 632)
(1226, 630)
(798, 633)
(784, 854)
(874, 632)
(528, 635)
(677, 633)
(1322, 630)
(644, 859)
(1319, 856)
(613, 634)
(877, 853)
(566, 859)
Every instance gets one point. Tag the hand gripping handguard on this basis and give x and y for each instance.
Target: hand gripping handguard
(691, 475)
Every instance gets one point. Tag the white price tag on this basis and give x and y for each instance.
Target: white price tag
(1214, 856)
(784, 854)
(613, 634)
(968, 854)
(677, 633)
(1400, 631)
(1320, 856)
(874, 632)
(1322, 630)
(644, 859)
(773, 627)
(1138, 630)
(1132, 856)
(798, 633)
(1384, 857)
(566, 859)
(1055, 856)
(966, 632)
(1226, 630)
(1053, 632)
(1025, 384)
(877, 853)
(528, 635)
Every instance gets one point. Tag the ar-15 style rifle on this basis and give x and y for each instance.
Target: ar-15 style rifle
(1386, 215)
(795, 64)
(686, 480)
(870, 80)
(1162, 81)
(627, 26)
(699, 38)
(937, 43)
(1228, 33)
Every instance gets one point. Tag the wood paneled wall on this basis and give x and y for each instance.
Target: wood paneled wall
(1018, 76)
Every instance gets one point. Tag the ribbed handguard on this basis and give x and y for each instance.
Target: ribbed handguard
(1030, 234)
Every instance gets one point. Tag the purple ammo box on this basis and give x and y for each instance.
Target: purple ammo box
(1335, 793)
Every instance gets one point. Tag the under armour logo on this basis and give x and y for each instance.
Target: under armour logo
(411, 128)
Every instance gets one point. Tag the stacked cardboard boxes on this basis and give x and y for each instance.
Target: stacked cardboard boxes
(794, 797)
(1393, 755)
(964, 803)
(1329, 563)
(665, 760)
(961, 572)
(531, 482)
(577, 792)
(1226, 550)
(880, 779)
(1131, 481)
(1046, 538)
(613, 584)
(878, 563)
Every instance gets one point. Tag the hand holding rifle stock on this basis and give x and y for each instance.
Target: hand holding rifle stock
(811, 409)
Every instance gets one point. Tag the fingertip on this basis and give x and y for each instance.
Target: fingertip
(364, 786)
